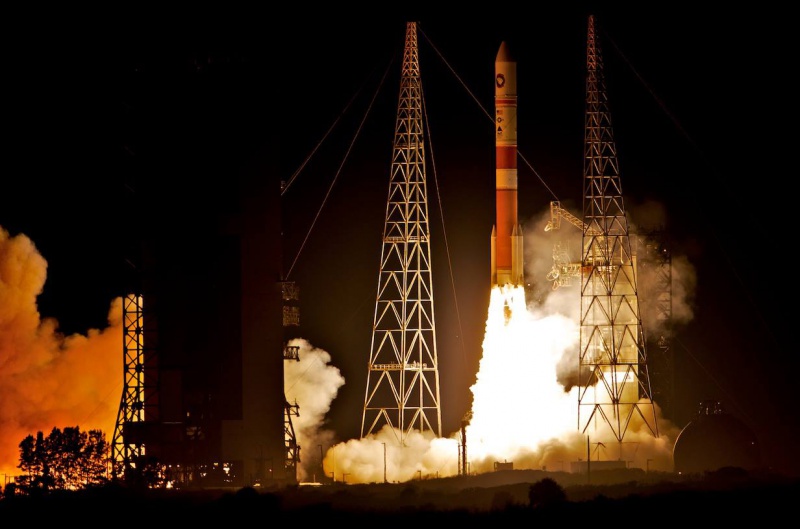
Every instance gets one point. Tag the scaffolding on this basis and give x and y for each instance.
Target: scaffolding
(126, 449)
(138, 409)
(290, 294)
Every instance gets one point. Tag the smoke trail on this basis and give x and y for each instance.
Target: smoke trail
(47, 379)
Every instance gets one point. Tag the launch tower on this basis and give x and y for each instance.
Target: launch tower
(140, 370)
(291, 320)
(126, 454)
(203, 401)
(403, 374)
(614, 384)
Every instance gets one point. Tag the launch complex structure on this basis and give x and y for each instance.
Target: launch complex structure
(403, 380)
(237, 429)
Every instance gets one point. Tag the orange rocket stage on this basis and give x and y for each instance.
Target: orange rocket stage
(507, 253)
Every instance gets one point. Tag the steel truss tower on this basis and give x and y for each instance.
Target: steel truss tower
(139, 402)
(290, 293)
(403, 373)
(614, 384)
(126, 451)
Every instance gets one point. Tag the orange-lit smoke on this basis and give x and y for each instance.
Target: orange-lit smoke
(48, 380)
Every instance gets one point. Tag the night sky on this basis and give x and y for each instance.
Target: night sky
(701, 116)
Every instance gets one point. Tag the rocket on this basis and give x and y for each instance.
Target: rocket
(506, 233)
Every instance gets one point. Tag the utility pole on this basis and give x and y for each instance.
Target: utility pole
(384, 463)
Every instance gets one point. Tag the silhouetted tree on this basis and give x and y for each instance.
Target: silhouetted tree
(64, 460)
(10, 490)
(545, 493)
(34, 461)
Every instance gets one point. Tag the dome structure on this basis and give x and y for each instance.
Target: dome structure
(714, 440)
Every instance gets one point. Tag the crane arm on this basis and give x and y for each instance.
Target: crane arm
(557, 212)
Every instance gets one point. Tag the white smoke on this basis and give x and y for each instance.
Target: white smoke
(525, 403)
(311, 383)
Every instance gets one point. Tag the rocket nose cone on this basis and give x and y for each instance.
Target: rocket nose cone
(504, 53)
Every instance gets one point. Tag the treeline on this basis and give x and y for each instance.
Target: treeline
(68, 459)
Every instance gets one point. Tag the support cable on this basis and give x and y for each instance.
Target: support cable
(339, 170)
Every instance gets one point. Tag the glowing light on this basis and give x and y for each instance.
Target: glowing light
(517, 400)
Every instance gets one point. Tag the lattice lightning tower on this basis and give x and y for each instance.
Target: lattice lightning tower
(403, 373)
(139, 402)
(614, 385)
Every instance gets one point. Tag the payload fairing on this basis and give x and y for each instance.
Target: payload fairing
(507, 253)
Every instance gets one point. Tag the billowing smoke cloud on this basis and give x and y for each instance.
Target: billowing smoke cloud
(520, 413)
(311, 383)
(657, 267)
(658, 264)
(549, 248)
(525, 402)
(48, 380)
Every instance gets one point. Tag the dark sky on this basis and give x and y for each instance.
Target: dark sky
(702, 119)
